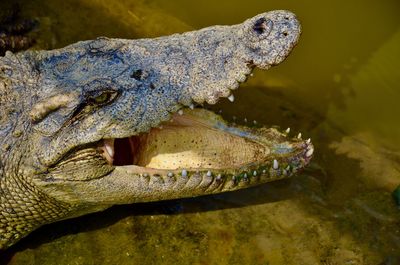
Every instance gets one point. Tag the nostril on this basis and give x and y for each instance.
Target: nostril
(260, 26)
(137, 74)
(285, 33)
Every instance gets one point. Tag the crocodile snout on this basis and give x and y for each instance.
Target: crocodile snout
(270, 37)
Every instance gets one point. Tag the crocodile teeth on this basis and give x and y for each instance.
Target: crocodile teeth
(310, 151)
(231, 98)
(109, 150)
(299, 136)
(184, 173)
(276, 164)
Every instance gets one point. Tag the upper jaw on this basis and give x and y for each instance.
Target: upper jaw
(177, 71)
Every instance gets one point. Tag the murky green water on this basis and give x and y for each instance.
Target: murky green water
(340, 87)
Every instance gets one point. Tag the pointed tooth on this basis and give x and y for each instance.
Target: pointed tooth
(180, 112)
(255, 122)
(170, 174)
(245, 120)
(264, 171)
(110, 150)
(308, 141)
(191, 106)
(209, 173)
(231, 98)
(184, 173)
(309, 152)
(299, 136)
(219, 177)
(276, 164)
(254, 173)
(287, 168)
(109, 146)
(287, 130)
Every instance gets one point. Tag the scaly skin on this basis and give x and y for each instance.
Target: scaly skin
(63, 110)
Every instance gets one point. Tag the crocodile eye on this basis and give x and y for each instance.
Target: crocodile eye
(104, 98)
(92, 101)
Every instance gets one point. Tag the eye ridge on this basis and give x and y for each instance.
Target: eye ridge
(92, 102)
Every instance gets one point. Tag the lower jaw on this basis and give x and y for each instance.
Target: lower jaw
(179, 183)
(222, 179)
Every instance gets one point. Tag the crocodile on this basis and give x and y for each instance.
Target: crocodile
(115, 121)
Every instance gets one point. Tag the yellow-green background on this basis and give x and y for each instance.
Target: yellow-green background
(340, 86)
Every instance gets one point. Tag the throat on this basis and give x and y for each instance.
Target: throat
(126, 150)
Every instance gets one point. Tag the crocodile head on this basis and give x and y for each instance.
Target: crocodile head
(115, 121)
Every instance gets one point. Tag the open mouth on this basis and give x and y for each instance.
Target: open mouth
(199, 141)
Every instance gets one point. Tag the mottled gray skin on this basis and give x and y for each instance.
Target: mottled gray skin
(55, 105)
